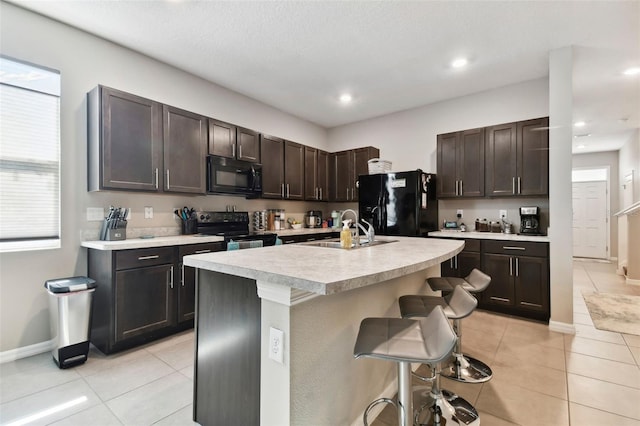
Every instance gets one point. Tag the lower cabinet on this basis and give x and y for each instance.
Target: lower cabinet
(303, 238)
(141, 294)
(464, 262)
(519, 278)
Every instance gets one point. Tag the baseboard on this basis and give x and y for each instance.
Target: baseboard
(25, 351)
(632, 281)
(562, 327)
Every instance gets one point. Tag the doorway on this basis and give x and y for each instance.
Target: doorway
(591, 213)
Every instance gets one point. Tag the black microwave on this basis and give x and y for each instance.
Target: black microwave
(235, 177)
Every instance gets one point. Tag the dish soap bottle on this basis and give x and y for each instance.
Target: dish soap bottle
(345, 235)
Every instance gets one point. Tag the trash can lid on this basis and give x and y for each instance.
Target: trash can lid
(68, 285)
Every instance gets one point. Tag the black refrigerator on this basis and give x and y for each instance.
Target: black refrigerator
(402, 203)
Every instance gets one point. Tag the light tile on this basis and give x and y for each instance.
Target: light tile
(487, 419)
(97, 361)
(602, 369)
(181, 417)
(178, 356)
(518, 351)
(585, 319)
(97, 415)
(188, 371)
(636, 353)
(186, 337)
(540, 379)
(616, 399)
(111, 382)
(599, 349)
(154, 401)
(51, 405)
(30, 375)
(587, 416)
(589, 332)
(632, 340)
(522, 406)
(537, 332)
(486, 322)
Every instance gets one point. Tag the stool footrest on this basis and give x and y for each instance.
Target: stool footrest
(373, 404)
(464, 368)
(446, 409)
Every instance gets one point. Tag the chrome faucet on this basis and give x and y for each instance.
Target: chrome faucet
(368, 232)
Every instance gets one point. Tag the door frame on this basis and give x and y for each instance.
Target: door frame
(608, 200)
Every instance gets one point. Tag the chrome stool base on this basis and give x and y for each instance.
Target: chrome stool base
(445, 409)
(464, 368)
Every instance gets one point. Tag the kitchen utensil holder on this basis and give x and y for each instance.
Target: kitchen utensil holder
(113, 231)
(189, 226)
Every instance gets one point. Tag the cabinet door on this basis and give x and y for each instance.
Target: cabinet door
(447, 182)
(248, 145)
(448, 268)
(500, 268)
(294, 170)
(311, 191)
(131, 134)
(222, 139)
(185, 148)
(470, 163)
(323, 175)
(343, 174)
(501, 156)
(187, 285)
(272, 154)
(467, 261)
(533, 157)
(532, 283)
(361, 157)
(144, 301)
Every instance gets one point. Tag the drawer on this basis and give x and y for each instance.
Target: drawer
(516, 248)
(471, 245)
(199, 248)
(139, 258)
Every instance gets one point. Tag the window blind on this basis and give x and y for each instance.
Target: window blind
(29, 156)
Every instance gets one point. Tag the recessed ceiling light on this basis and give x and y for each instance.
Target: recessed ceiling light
(579, 123)
(459, 63)
(345, 98)
(583, 135)
(581, 146)
(632, 71)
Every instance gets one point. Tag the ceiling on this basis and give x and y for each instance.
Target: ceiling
(300, 56)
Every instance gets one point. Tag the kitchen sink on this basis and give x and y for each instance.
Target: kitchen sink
(336, 243)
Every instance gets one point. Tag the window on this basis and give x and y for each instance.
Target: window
(29, 156)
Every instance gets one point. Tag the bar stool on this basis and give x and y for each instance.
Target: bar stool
(428, 340)
(463, 367)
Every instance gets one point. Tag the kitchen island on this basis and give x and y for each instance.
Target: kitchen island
(317, 297)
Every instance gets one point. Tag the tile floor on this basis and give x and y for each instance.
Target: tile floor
(540, 377)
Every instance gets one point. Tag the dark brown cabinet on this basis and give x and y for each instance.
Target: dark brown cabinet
(228, 140)
(519, 274)
(125, 141)
(316, 174)
(464, 262)
(460, 164)
(282, 169)
(185, 145)
(345, 168)
(138, 144)
(187, 284)
(517, 158)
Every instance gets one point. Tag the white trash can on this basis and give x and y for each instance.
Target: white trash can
(70, 302)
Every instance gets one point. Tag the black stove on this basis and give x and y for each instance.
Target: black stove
(233, 226)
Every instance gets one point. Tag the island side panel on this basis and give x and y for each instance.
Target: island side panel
(227, 344)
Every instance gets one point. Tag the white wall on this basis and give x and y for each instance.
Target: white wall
(629, 156)
(408, 138)
(84, 62)
(605, 159)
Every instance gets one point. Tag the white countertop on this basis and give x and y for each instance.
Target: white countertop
(325, 270)
(489, 236)
(136, 243)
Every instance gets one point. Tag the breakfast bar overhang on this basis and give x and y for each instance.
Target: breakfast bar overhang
(317, 297)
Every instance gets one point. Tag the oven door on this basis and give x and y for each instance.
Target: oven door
(229, 176)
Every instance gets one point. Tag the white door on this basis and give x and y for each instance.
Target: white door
(590, 219)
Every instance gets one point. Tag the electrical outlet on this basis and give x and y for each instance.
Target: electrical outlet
(459, 213)
(276, 345)
(148, 212)
(95, 214)
(502, 214)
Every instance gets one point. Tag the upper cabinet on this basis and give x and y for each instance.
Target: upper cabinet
(282, 168)
(125, 141)
(228, 140)
(138, 144)
(316, 174)
(345, 167)
(185, 145)
(460, 165)
(517, 160)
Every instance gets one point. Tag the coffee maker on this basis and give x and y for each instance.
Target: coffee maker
(530, 221)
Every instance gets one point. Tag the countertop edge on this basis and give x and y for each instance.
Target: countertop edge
(489, 236)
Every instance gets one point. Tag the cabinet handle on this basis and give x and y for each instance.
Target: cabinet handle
(202, 251)
(517, 267)
(320, 194)
(282, 189)
(513, 185)
(535, 305)
(315, 192)
(347, 193)
(456, 262)
(513, 248)
(154, 256)
(233, 150)
(456, 187)
(311, 239)
(288, 193)
(451, 263)
(182, 274)
(171, 278)
(461, 191)
(168, 186)
(511, 266)
(519, 185)
(156, 178)
(240, 151)
(499, 299)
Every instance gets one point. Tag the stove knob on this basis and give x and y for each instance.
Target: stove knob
(208, 216)
(201, 217)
